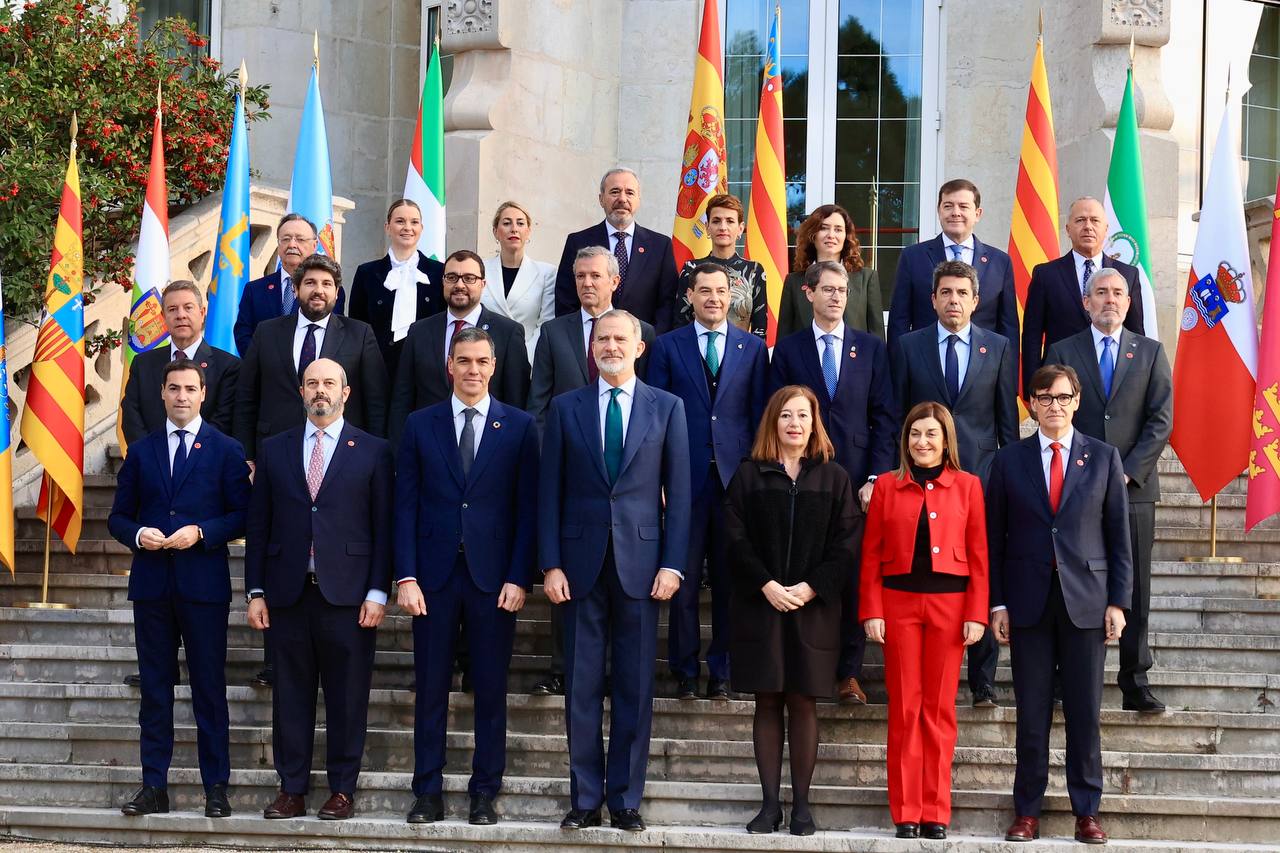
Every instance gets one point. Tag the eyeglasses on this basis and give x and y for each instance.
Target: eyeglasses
(466, 278)
(289, 238)
(829, 292)
(1047, 400)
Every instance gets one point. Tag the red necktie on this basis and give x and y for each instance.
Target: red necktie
(458, 326)
(1055, 477)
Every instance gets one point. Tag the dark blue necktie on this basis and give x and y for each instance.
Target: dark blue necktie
(1107, 365)
(952, 372)
(1088, 274)
(179, 456)
(308, 353)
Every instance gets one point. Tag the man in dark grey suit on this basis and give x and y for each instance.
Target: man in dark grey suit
(1127, 402)
(972, 372)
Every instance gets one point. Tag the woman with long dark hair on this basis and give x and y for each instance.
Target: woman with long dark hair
(828, 235)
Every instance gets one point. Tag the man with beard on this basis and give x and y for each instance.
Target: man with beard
(646, 262)
(317, 570)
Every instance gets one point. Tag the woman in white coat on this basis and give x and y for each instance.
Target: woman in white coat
(517, 286)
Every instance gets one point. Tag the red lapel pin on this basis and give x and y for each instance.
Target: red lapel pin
(982, 350)
(204, 364)
(1128, 355)
(350, 443)
(196, 445)
(640, 249)
(271, 287)
(984, 259)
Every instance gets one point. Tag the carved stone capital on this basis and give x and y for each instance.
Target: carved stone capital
(1146, 20)
(471, 24)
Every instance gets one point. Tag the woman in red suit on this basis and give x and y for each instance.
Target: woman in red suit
(924, 596)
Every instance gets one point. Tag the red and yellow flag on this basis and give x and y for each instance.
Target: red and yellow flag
(53, 420)
(767, 214)
(1264, 454)
(704, 169)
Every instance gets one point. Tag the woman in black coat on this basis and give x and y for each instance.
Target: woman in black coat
(793, 526)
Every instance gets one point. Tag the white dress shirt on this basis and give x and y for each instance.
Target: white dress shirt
(1079, 259)
(459, 419)
(588, 325)
(966, 248)
(630, 231)
(625, 399)
(1098, 336)
(188, 353)
(300, 335)
(471, 320)
(722, 336)
(837, 345)
(962, 349)
(1046, 454)
(171, 431)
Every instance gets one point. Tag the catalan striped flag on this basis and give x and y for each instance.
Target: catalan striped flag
(767, 215)
(704, 167)
(6, 457)
(424, 180)
(53, 419)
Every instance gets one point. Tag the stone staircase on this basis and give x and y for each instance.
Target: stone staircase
(1205, 776)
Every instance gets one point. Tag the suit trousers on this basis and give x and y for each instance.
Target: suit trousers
(853, 639)
(1135, 653)
(598, 622)
(158, 627)
(492, 632)
(706, 543)
(984, 657)
(318, 644)
(1079, 655)
(924, 644)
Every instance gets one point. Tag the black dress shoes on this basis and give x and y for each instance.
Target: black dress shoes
(581, 819)
(933, 831)
(147, 800)
(717, 690)
(1143, 702)
(216, 803)
(482, 813)
(428, 808)
(984, 696)
(766, 822)
(265, 677)
(552, 685)
(627, 819)
(687, 688)
(907, 830)
(133, 679)
(803, 824)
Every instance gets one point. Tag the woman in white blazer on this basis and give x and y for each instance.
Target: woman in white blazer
(516, 285)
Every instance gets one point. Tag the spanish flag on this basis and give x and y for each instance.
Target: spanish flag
(767, 214)
(53, 420)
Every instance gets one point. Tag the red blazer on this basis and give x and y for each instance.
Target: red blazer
(957, 531)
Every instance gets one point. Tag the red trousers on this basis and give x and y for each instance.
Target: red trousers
(923, 648)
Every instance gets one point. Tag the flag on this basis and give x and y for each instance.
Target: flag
(767, 214)
(704, 169)
(53, 419)
(6, 457)
(1264, 453)
(311, 185)
(1217, 359)
(1126, 204)
(424, 182)
(146, 328)
(231, 253)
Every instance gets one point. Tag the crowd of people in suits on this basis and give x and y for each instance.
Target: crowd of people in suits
(616, 430)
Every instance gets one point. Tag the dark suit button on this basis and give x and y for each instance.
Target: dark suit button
(1054, 531)
(171, 512)
(464, 506)
(379, 301)
(613, 499)
(315, 509)
(713, 417)
(1106, 417)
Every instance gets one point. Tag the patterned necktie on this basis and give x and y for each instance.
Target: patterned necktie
(308, 353)
(179, 456)
(1055, 477)
(458, 326)
(1107, 365)
(467, 441)
(952, 372)
(957, 252)
(593, 370)
(613, 436)
(624, 260)
(829, 364)
(315, 465)
(288, 299)
(1084, 279)
(713, 355)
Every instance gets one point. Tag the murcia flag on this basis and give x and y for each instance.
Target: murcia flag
(1264, 455)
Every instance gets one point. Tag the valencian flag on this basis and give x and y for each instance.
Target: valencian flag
(767, 215)
(1264, 454)
(1214, 372)
(231, 254)
(146, 328)
(424, 182)
(311, 186)
(704, 169)
(53, 419)
(6, 457)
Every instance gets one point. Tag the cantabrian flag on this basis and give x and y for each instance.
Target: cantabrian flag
(704, 169)
(311, 185)
(53, 419)
(424, 182)
(6, 457)
(231, 254)
(1126, 205)
(767, 214)
(1264, 453)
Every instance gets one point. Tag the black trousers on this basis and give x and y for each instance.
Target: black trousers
(1135, 653)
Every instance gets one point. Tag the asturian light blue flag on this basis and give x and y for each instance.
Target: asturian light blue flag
(231, 254)
(311, 188)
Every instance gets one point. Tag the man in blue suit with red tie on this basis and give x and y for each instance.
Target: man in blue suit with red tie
(720, 372)
(613, 525)
(181, 496)
(466, 531)
(849, 372)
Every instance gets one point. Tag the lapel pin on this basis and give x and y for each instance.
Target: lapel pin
(1080, 462)
(204, 364)
(497, 425)
(351, 442)
(982, 350)
(984, 259)
(640, 249)
(196, 446)
(485, 327)
(271, 287)
(739, 346)
(1128, 355)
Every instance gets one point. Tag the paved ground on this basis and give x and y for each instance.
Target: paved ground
(12, 845)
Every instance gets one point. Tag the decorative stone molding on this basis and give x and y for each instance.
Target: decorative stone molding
(467, 17)
(1138, 13)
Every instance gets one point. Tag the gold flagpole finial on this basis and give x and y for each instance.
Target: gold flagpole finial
(75, 129)
(244, 80)
(1131, 44)
(159, 96)
(1041, 32)
(315, 48)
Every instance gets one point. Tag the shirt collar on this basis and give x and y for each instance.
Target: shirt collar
(323, 322)
(1080, 259)
(190, 351)
(630, 230)
(192, 428)
(838, 332)
(1065, 441)
(412, 259)
(472, 319)
(1098, 335)
(286, 280)
(482, 406)
(944, 333)
(723, 328)
(947, 242)
(333, 430)
(628, 387)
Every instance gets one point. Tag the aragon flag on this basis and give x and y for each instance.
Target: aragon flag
(1264, 453)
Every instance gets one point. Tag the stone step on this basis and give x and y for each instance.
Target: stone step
(1175, 542)
(1186, 508)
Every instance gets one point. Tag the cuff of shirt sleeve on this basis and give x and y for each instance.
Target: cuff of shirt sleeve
(673, 571)
(137, 538)
(257, 590)
(998, 608)
(405, 580)
(377, 596)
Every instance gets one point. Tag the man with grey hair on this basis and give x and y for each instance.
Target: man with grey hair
(647, 280)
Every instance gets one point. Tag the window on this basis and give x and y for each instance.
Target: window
(200, 14)
(432, 26)
(1260, 123)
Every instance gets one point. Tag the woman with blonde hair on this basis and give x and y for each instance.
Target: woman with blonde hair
(518, 286)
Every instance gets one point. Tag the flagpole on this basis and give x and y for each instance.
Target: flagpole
(875, 224)
(44, 603)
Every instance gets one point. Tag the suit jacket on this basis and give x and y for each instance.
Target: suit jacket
(722, 429)
(579, 511)
(532, 300)
(1087, 539)
(861, 312)
(911, 305)
(863, 418)
(267, 397)
(985, 413)
(261, 300)
(494, 511)
(142, 409)
(423, 380)
(1055, 308)
(372, 302)
(560, 362)
(1137, 418)
(350, 521)
(212, 491)
(650, 288)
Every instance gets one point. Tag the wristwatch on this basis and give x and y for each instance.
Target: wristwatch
(250, 596)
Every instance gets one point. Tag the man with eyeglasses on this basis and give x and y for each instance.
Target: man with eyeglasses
(849, 372)
(422, 378)
(1061, 574)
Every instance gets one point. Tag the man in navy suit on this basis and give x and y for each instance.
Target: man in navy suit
(720, 372)
(911, 306)
(849, 372)
(1061, 579)
(317, 568)
(180, 497)
(971, 371)
(647, 264)
(613, 523)
(466, 531)
(274, 294)
(1055, 307)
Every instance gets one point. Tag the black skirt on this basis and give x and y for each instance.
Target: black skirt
(775, 652)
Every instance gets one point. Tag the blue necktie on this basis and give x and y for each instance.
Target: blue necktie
(952, 372)
(179, 456)
(613, 436)
(957, 252)
(289, 300)
(1084, 279)
(829, 364)
(1107, 365)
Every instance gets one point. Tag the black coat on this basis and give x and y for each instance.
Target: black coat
(776, 530)
(373, 303)
(142, 408)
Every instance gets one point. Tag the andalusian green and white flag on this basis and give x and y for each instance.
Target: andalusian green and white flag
(1126, 205)
(425, 181)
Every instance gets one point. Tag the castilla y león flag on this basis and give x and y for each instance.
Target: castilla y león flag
(1264, 455)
